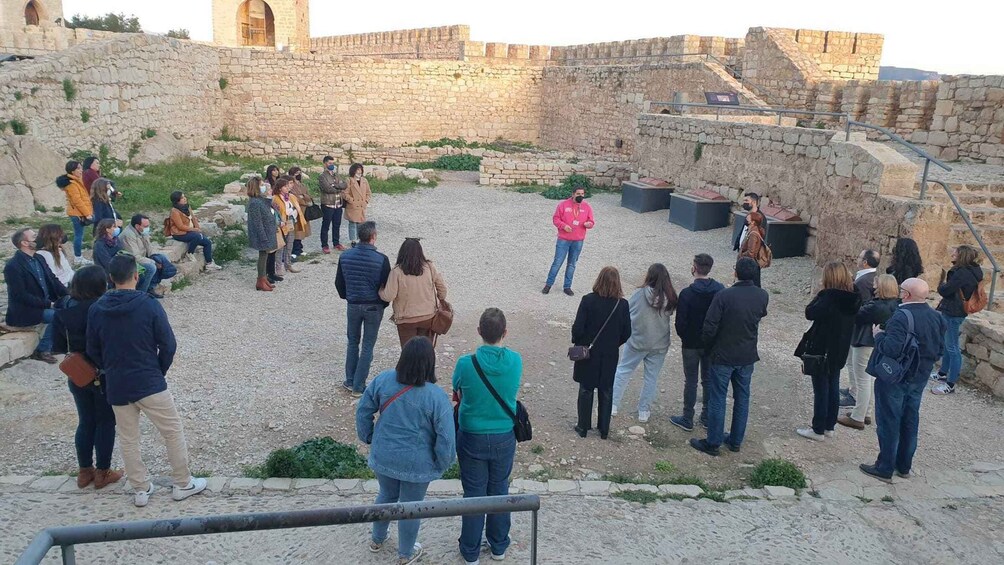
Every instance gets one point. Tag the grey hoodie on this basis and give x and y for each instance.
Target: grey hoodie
(651, 329)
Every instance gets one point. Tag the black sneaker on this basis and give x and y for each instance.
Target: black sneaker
(703, 446)
(846, 400)
(938, 377)
(569, 292)
(684, 425)
(873, 471)
(546, 289)
(728, 443)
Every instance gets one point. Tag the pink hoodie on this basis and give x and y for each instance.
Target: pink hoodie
(570, 213)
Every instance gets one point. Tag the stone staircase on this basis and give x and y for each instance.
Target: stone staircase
(985, 204)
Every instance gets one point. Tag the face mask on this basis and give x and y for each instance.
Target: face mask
(747, 206)
(263, 189)
(579, 198)
(116, 232)
(146, 230)
(64, 240)
(331, 168)
(111, 190)
(299, 177)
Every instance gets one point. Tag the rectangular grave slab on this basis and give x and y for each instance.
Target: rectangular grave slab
(698, 214)
(641, 197)
(785, 238)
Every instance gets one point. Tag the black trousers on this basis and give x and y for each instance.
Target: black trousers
(585, 408)
(270, 265)
(825, 400)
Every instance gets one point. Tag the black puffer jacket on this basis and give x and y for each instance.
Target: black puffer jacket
(964, 279)
(832, 312)
(875, 311)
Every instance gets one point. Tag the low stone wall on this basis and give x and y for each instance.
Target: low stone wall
(983, 352)
(530, 169)
(344, 154)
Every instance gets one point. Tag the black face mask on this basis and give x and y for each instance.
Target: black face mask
(579, 198)
(747, 206)
(64, 240)
(299, 177)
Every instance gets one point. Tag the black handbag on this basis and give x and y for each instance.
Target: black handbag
(521, 427)
(312, 212)
(812, 363)
(581, 352)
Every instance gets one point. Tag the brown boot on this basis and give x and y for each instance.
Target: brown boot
(850, 423)
(105, 477)
(85, 476)
(263, 285)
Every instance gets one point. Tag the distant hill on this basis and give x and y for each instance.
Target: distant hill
(897, 73)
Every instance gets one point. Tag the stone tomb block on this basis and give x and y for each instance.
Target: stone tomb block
(644, 197)
(786, 238)
(697, 213)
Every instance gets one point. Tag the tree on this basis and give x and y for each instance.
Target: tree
(109, 22)
(178, 33)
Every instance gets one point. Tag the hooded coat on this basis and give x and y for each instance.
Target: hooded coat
(651, 329)
(691, 310)
(130, 339)
(78, 198)
(832, 313)
(960, 280)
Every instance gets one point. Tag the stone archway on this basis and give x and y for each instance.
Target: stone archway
(32, 14)
(255, 24)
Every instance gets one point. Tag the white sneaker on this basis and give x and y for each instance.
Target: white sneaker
(809, 434)
(195, 486)
(415, 554)
(82, 262)
(498, 557)
(213, 267)
(613, 410)
(829, 433)
(142, 497)
(644, 416)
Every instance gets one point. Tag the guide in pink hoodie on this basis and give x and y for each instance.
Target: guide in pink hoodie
(572, 217)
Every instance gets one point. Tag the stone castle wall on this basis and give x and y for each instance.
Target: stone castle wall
(840, 55)
(968, 120)
(550, 169)
(34, 41)
(12, 13)
(983, 352)
(422, 43)
(727, 49)
(121, 87)
(291, 22)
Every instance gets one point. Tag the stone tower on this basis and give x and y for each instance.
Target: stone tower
(262, 23)
(19, 13)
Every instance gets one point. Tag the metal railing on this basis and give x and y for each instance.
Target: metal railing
(848, 124)
(67, 537)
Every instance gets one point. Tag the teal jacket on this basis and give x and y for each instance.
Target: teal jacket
(480, 413)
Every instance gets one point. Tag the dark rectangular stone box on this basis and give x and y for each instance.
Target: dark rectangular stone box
(643, 198)
(786, 239)
(699, 214)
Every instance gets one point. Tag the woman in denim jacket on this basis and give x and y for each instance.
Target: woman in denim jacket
(414, 441)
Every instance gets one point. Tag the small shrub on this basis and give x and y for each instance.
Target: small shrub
(18, 95)
(180, 284)
(619, 478)
(148, 133)
(69, 90)
(568, 186)
(225, 135)
(18, 127)
(133, 150)
(223, 83)
(887, 498)
(864, 499)
(395, 184)
(698, 151)
(230, 246)
(664, 467)
(202, 473)
(537, 449)
(453, 472)
(777, 472)
(58, 209)
(41, 208)
(85, 116)
(420, 165)
(820, 125)
(450, 163)
(181, 33)
(34, 90)
(717, 496)
(317, 458)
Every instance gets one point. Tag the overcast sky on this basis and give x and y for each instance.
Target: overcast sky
(947, 40)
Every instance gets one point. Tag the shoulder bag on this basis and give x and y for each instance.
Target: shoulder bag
(812, 363)
(312, 212)
(395, 397)
(581, 352)
(442, 321)
(895, 370)
(521, 427)
(78, 368)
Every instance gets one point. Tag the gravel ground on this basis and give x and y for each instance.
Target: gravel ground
(789, 532)
(256, 371)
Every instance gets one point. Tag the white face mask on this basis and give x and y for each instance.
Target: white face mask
(146, 230)
(263, 189)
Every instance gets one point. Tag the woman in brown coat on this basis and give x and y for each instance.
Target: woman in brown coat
(357, 197)
(414, 289)
(290, 219)
(754, 241)
(298, 190)
(184, 227)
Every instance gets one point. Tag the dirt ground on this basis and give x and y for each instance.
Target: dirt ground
(256, 371)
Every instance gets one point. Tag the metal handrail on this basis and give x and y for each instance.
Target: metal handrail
(66, 537)
(976, 234)
(928, 159)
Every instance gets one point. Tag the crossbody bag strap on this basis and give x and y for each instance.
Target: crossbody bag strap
(395, 397)
(491, 389)
(603, 327)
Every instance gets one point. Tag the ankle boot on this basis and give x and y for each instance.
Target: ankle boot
(85, 476)
(105, 477)
(263, 285)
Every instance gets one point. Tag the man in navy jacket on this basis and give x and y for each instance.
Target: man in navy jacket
(897, 406)
(362, 272)
(32, 291)
(130, 339)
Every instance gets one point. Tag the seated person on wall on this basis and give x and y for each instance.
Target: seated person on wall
(136, 240)
(108, 244)
(183, 226)
(32, 291)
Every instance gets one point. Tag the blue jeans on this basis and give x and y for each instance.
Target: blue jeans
(718, 386)
(194, 239)
(897, 419)
(485, 464)
(95, 426)
(364, 323)
(166, 270)
(145, 282)
(630, 359)
(353, 231)
(951, 361)
(563, 249)
(78, 235)
(45, 342)
(391, 491)
(331, 219)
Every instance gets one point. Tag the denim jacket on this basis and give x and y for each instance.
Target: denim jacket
(414, 439)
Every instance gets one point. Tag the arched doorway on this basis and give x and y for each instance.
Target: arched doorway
(256, 24)
(31, 15)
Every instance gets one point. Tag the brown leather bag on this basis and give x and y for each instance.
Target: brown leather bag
(442, 321)
(79, 369)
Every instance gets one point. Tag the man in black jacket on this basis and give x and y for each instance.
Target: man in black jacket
(362, 272)
(690, 312)
(730, 333)
(897, 406)
(32, 291)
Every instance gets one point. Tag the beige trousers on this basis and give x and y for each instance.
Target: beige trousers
(862, 383)
(162, 413)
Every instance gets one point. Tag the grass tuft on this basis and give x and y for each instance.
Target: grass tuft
(180, 284)
(317, 458)
(777, 472)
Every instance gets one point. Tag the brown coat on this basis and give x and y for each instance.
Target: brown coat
(754, 241)
(357, 197)
(414, 299)
(181, 224)
(280, 207)
(303, 196)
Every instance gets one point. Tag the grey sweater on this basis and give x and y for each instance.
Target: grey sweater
(651, 329)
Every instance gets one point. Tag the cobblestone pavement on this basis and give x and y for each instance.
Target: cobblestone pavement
(573, 529)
